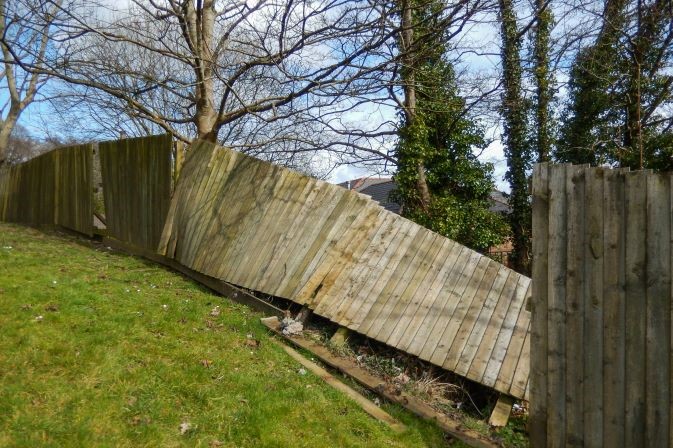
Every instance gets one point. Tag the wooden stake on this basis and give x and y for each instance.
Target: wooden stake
(340, 337)
(501, 411)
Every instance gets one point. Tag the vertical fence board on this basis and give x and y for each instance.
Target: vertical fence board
(556, 302)
(636, 307)
(658, 312)
(593, 305)
(576, 191)
(538, 350)
(613, 309)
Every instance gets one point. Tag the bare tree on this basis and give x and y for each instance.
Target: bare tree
(25, 31)
(240, 72)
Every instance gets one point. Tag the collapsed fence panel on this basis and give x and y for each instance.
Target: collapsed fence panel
(273, 230)
(601, 353)
(137, 177)
(53, 188)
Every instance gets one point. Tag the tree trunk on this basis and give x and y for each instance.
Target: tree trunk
(6, 128)
(199, 33)
(516, 152)
(409, 64)
(543, 91)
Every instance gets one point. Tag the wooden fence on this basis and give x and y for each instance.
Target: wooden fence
(54, 188)
(270, 229)
(137, 176)
(266, 228)
(601, 355)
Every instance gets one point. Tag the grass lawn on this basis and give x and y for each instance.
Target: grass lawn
(102, 349)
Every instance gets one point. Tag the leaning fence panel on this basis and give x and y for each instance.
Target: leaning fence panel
(269, 229)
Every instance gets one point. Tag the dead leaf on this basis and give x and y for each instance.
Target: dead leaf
(51, 307)
(215, 443)
(253, 343)
(206, 363)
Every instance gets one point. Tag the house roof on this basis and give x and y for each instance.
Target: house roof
(379, 189)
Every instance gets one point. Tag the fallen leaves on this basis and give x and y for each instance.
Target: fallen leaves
(207, 363)
(252, 342)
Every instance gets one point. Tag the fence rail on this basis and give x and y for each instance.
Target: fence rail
(601, 328)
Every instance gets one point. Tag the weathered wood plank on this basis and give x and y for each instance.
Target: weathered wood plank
(504, 335)
(520, 386)
(636, 307)
(514, 340)
(350, 295)
(501, 411)
(539, 298)
(338, 295)
(367, 405)
(391, 315)
(593, 309)
(376, 316)
(658, 330)
(249, 217)
(613, 309)
(371, 306)
(210, 243)
(574, 308)
(556, 420)
(337, 276)
(278, 235)
(339, 220)
(320, 277)
(299, 245)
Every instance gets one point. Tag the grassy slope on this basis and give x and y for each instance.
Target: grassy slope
(126, 351)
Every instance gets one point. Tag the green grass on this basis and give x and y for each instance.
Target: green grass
(125, 351)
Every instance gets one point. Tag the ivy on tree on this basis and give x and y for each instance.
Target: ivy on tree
(436, 141)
